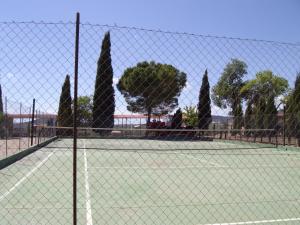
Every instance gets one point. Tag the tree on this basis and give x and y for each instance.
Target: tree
(249, 120)
(270, 118)
(190, 116)
(226, 93)
(177, 120)
(1, 115)
(84, 111)
(259, 111)
(204, 107)
(237, 115)
(293, 111)
(150, 87)
(64, 116)
(262, 91)
(104, 98)
(1, 102)
(264, 85)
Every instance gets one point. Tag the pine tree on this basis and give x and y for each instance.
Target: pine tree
(64, 116)
(204, 106)
(270, 116)
(104, 102)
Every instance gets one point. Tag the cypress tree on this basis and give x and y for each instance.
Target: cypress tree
(270, 115)
(249, 117)
(104, 102)
(177, 119)
(237, 116)
(296, 108)
(204, 106)
(1, 102)
(290, 118)
(293, 112)
(1, 115)
(64, 116)
(259, 111)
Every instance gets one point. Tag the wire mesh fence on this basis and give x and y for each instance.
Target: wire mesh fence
(171, 128)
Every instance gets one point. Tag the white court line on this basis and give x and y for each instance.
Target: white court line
(89, 219)
(154, 167)
(257, 222)
(202, 160)
(25, 177)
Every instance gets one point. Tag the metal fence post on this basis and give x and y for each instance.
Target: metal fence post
(32, 121)
(75, 121)
(20, 127)
(283, 133)
(6, 128)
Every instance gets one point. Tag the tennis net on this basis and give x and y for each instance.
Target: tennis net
(164, 139)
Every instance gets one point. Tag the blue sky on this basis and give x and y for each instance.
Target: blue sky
(277, 20)
(34, 59)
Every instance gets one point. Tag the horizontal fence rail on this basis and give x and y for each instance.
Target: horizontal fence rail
(106, 125)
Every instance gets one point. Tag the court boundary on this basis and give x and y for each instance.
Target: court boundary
(89, 218)
(26, 176)
(256, 222)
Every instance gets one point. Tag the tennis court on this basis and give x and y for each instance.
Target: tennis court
(137, 181)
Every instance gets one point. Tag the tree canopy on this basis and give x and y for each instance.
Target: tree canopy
(151, 87)
(293, 111)
(265, 84)
(64, 116)
(1, 114)
(84, 111)
(176, 122)
(190, 116)
(204, 107)
(1, 102)
(104, 99)
(226, 93)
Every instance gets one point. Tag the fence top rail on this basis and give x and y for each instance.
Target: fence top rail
(115, 26)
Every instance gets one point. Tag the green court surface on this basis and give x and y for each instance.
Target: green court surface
(154, 182)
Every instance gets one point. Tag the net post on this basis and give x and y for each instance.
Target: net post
(75, 120)
(32, 122)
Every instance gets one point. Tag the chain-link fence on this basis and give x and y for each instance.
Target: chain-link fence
(159, 127)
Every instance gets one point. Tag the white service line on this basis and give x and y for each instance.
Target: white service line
(89, 219)
(202, 160)
(25, 177)
(257, 222)
(155, 167)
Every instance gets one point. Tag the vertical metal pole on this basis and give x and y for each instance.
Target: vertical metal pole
(6, 127)
(284, 110)
(20, 127)
(28, 128)
(32, 121)
(75, 121)
(37, 123)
